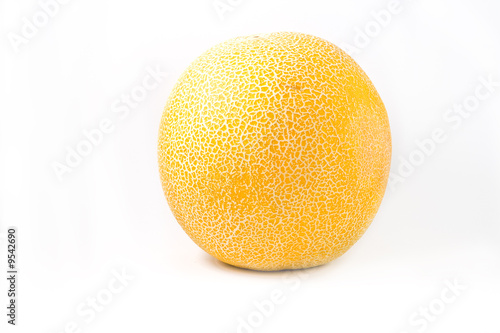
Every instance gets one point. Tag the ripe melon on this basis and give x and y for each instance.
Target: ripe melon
(274, 151)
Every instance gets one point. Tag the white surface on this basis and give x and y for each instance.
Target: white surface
(442, 223)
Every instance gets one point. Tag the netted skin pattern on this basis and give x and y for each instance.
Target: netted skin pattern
(274, 151)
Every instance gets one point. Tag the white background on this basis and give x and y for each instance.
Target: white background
(439, 225)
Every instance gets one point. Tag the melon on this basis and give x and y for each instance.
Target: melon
(274, 151)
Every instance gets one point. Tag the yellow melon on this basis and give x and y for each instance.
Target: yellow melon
(274, 151)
